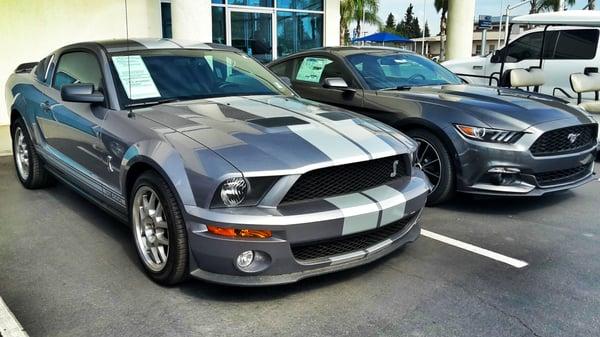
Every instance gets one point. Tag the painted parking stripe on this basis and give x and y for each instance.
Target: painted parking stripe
(474, 249)
(9, 326)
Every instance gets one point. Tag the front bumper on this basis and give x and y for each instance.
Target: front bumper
(478, 158)
(304, 224)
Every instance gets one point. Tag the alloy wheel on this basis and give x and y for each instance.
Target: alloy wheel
(428, 160)
(151, 229)
(21, 153)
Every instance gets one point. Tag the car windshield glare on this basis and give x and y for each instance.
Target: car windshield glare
(399, 70)
(156, 76)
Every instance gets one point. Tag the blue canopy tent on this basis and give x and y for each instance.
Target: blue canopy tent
(383, 37)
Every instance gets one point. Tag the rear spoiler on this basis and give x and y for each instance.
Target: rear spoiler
(25, 67)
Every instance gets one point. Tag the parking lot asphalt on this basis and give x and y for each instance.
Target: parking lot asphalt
(69, 269)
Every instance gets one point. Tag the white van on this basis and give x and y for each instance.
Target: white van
(567, 50)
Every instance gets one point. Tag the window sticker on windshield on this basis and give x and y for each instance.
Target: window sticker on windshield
(135, 77)
(311, 69)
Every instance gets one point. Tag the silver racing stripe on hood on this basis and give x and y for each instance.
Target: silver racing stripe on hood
(333, 144)
(363, 134)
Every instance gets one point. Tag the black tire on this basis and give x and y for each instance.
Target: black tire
(36, 174)
(445, 187)
(176, 268)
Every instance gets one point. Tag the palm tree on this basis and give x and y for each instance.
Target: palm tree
(591, 5)
(537, 6)
(352, 11)
(442, 6)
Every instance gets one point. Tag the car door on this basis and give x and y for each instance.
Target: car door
(309, 73)
(70, 129)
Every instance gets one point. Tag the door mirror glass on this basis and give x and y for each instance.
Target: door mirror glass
(81, 93)
(335, 83)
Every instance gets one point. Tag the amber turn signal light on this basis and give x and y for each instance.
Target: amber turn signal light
(239, 233)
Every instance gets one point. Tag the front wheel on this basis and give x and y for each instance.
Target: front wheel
(159, 230)
(435, 161)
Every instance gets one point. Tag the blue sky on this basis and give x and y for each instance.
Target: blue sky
(484, 7)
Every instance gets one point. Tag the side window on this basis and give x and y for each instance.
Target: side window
(77, 67)
(314, 69)
(528, 47)
(283, 68)
(40, 69)
(579, 44)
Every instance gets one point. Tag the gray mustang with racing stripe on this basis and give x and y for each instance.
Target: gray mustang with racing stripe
(221, 170)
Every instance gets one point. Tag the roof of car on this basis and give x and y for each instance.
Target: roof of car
(133, 44)
(350, 50)
(571, 18)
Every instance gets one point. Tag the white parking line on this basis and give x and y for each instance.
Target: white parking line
(474, 249)
(9, 326)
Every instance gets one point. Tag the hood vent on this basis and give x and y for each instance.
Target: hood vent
(277, 121)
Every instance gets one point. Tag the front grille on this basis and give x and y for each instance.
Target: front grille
(563, 176)
(349, 178)
(559, 141)
(350, 243)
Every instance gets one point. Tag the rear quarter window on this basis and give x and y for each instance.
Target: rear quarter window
(576, 44)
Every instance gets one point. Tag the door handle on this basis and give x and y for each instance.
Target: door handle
(477, 67)
(45, 106)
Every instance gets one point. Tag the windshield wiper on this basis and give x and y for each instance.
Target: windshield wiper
(151, 103)
(400, 88)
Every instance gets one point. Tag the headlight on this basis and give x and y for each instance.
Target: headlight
(240, 191)
(234, 191)
(489, 135)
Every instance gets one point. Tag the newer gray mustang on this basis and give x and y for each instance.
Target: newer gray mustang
(221, 170)
(472, 139)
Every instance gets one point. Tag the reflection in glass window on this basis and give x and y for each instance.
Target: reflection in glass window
(218, 25)
(314, 5)
(298, 31)
(221, 2)
(259, 3)
(253, 34)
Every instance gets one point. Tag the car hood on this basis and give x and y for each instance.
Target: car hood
(496, 107)
(277, 133)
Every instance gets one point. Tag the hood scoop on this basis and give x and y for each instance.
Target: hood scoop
(275, 122)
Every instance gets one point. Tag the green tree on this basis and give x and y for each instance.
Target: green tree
(427, 34)
(537, 6)
(441, 6)
(409, 26)
(390, 24)
(591, 5)
(351, 11)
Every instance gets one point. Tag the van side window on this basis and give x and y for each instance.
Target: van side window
(528, 47)
(577, 44)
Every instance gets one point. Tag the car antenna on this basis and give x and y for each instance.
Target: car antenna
(130, 114)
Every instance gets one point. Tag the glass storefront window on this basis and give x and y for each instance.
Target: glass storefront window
(252, 33)
(218, 25)
(220, 2)
(259, 3)
(298, 31)
(313, 5)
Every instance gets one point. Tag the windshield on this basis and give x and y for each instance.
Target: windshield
(390, 70)
(182, 74)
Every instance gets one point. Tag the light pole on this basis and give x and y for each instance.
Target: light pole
(508, 9)
(363, 21)
(500, 25)
(424, 22)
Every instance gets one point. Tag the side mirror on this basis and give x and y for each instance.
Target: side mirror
(496, 56)
(286, 80)
(81, 93)
(335, 83)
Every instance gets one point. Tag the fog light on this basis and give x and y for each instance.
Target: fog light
(245, 259)
(508, 170)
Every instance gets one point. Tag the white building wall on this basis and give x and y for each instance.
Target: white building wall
(332, 23)
(191, 20)
(30, 29)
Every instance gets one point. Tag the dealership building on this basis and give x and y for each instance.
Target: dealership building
(265, 29)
